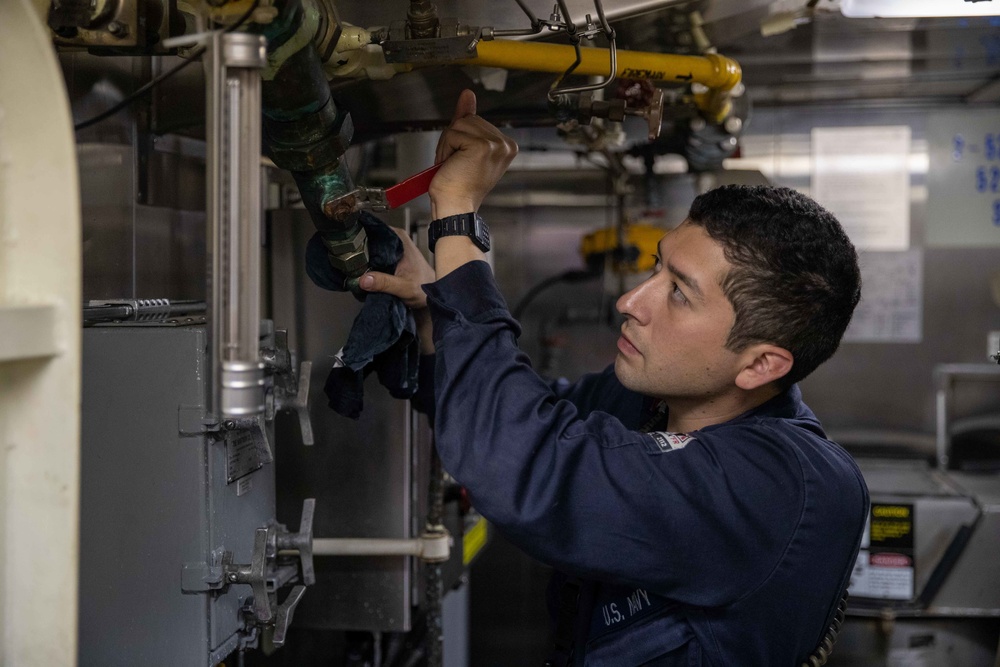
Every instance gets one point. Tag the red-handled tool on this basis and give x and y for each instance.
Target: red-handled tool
(381, 199)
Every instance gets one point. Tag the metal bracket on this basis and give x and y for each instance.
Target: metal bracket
(454, 42)
(193, 420)
(201, 577)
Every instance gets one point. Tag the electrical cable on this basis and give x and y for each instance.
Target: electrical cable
(160, 78)
(572, 276)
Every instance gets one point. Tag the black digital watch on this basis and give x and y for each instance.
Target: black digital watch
(463, 224)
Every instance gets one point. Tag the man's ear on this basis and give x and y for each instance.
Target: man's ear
(763, 363)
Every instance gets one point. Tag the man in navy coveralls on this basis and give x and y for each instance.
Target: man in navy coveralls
(691, 502)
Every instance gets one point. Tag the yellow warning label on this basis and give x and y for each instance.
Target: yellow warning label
(473, 541)
(893, 511)
(883, 530)
(892, 527)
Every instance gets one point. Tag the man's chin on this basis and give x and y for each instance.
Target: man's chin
(624, 374)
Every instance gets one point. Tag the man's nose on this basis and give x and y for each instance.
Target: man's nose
(629, 304)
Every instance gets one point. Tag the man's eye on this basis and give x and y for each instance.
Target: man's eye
(678, 295)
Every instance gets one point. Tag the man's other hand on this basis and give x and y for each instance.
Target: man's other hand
(412, 271)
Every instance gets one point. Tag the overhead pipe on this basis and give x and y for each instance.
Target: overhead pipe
(719, 74)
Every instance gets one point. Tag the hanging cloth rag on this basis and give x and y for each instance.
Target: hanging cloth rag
(383, 337)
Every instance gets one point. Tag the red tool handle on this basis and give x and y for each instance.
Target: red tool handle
(411, 188)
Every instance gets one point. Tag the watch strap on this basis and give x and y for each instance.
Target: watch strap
(463, 224)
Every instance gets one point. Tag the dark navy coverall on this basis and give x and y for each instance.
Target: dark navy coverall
(728, 546)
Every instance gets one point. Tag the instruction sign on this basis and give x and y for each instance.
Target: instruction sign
(963, 179)
(242, 454)
(891, 307)
(862, 175)
(885, 566)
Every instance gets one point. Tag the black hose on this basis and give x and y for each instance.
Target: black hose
(573, 276)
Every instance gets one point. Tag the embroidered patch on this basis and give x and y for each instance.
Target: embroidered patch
(668, 441)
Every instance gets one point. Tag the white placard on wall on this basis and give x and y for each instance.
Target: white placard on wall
(891, 308)
(862, 176)
(963, 181)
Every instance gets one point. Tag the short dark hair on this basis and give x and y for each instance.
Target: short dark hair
(794, 280)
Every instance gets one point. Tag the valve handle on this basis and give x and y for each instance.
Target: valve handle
(302, 541)
(283, 616)
(299, 402)
(302, 403)
(257, 576)
(305, 540)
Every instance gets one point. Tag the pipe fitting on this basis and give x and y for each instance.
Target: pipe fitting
(349, 256)
(436, 543)
(340, 209)
(422, 19)
(312, 142)
(330, 29)
(356, 240)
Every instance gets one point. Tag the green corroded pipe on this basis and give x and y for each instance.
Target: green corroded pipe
(305, 132)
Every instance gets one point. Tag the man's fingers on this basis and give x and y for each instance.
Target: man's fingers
(407, 290)
(373, 281)
(465, 106)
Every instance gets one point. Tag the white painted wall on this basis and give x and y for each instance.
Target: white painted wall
(39, 349)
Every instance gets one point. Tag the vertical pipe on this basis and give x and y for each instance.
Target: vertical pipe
(433, 572)
(233, 123)
(944, 387)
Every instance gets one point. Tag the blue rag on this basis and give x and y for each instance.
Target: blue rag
(383, 337)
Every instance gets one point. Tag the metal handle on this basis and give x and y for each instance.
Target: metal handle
(302, 541)
(299, 402)
(254, 575)
(257, 577)
(302, 406)
(283, 616)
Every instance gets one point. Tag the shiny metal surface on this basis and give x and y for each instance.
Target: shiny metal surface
(233, 121)
(242, 389)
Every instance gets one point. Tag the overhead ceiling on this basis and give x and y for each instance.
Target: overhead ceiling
(821, 57)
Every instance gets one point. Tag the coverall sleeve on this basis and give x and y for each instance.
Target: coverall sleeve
(423, 399)
(704, 524)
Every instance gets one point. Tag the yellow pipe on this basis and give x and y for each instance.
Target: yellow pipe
(718, 73)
